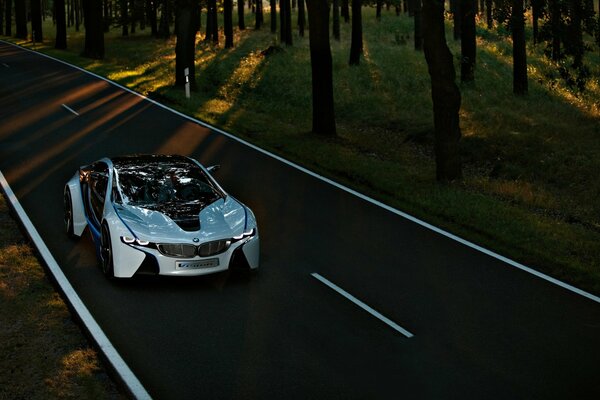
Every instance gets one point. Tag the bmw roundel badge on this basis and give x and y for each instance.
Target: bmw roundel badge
(195, 240)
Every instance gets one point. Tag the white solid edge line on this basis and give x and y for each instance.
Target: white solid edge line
(362, 305)
(133, 384)
(70, 109)
(340, 186)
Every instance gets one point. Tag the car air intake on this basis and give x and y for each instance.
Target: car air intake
(177, 250)
(212, 248)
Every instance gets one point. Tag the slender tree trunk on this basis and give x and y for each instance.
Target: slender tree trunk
(77, 12)
(378, 5)
(163, 28)
(488, 14)
(185, 28)
(240, 9)
(259, 15)
(468, 44)
(285, 13)
(273, 5)
(36, 20)
(228, 23)
(418, 34)
(519, 53)
(134, 18)
(345, 11)
(575, 33)
(151, 16)
(282, 22)
(1, 17)
(301, 18)
(21, 19)
(398, 10)
(336, 19)
(214, 25)
(356, 45)
(455, 8)
(94, 31)
(209, 21)
(61, 24)
(8, 17)
(444, 92)
(125, 18)
(321, 66)
(536, 8)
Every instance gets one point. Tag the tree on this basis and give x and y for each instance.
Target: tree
(228, 23)
(125, 18)
(151, 16)
(240, 8)
(356, 45)
(285, 14)
(519, 53)
(94, 31)
(21, 19)
(488, 14)
(258, 15)
(417, 6)
(378, 5)
(8, 17)
(468, 44)
(336, 19)
(345, 11)
(163, 25)
(61, 24)
(555, 17)
(537, 7)
(301, 18)
(273, 4)
(1, 17)
(186, 25)
(444, 92)
(323, 121)
(455, 8)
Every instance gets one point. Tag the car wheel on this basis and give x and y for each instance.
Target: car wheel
(106, 253)
(68, 214)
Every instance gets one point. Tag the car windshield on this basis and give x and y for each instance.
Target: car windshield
(146, 182)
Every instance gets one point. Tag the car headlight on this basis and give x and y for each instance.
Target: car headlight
(131, 240)
(245, 234)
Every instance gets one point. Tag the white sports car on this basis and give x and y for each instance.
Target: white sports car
(155, 214)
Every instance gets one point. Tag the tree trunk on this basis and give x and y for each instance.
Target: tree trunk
(301, 18)
(285, 11)
(125, 18)
(455, 7)
(94, 31)
(259, 15)
(36, 20)
(21, 19)
(417, 7)
(575, 33)
(468, 44)
(77, 12)
(273, 5)
(133, 18)
(61, 24)
(519, 53)
(214, 24)
(282, 21)
(240, 10)
(345, 11)
(378, 5)
(185, 29)
(444, 92)
(1, 17)
(536, 10)
(323, 122)
(151, 16)
(8, 17)
(336, 19)
(488, 14)
(163, 28)
(356, 45)
(228, 23)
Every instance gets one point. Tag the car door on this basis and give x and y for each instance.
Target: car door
(97, 184)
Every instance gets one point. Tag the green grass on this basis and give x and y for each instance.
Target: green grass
(530, 190)
(42, 352)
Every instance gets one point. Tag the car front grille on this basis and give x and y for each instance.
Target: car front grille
(190, 251)
(177, 250)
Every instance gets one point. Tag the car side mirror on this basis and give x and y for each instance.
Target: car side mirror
(213, 168)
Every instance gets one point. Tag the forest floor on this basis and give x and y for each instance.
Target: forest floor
(43, 354)
(531, 189)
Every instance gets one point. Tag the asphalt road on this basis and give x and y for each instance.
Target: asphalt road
(483, 329)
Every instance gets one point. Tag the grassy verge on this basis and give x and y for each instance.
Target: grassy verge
(43, 354)
(530, 190)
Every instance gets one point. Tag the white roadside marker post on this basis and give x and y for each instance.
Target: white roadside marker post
(186, 72)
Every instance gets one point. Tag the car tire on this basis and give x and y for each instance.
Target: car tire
(68, 214)
(106, 253)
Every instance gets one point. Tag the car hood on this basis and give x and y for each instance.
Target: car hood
(223, 218)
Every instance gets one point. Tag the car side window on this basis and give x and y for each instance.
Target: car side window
(98, 185)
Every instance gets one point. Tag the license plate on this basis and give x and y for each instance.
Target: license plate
(211, 263)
